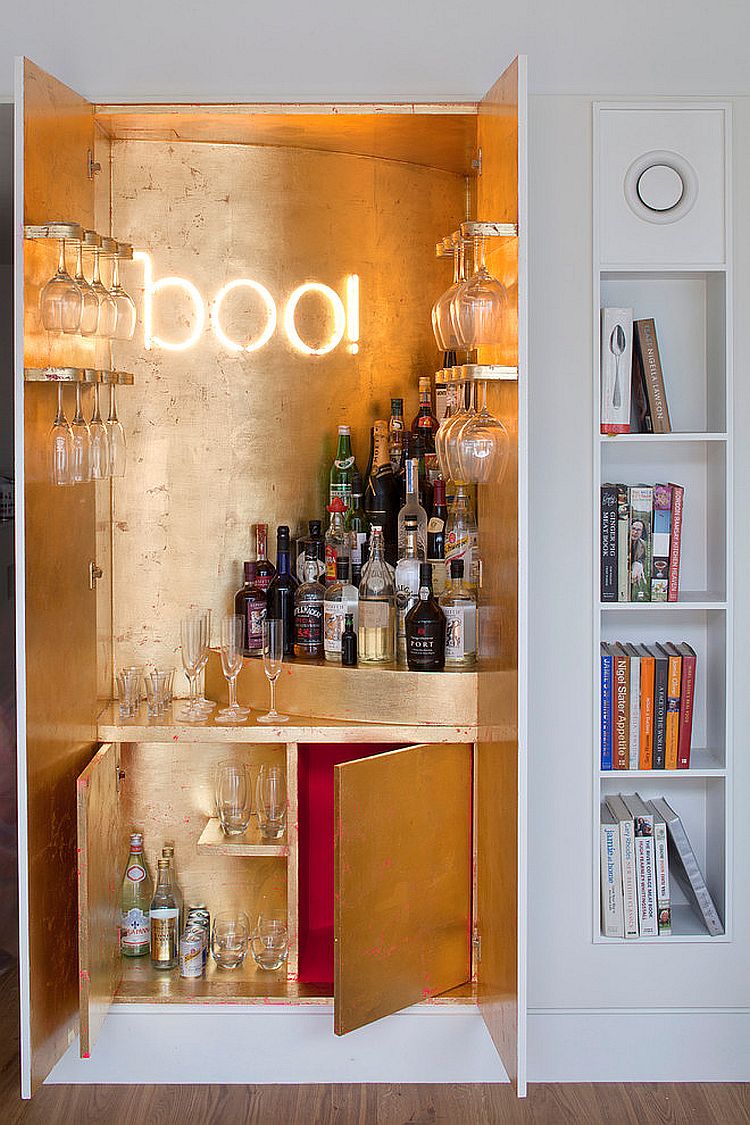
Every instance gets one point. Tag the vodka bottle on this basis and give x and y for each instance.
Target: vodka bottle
(412, 509)
(407, 585)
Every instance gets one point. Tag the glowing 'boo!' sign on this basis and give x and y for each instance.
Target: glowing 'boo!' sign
(345, 317)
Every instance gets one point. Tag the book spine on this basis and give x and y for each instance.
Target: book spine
(661, 859)
(611, 876)
(648, 351)
(695, 878)
(686, 712)
(674, 671)
(646, 756)
(660, 714)
(620, 713)
(606, 746)
(646, 880)
(634, 735)
(609, 543)
(675, 543)
(660, 542)
(629, 889)
(623, 544)
(641, 507)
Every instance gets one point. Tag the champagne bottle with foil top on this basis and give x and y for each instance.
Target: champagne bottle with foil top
(165, 915)
(135, 902)
(382, 492)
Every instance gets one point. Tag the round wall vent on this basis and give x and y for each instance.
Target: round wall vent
(661, 187)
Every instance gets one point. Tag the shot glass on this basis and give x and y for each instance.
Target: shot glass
(269, 944)
(158, 691)
(129, 691)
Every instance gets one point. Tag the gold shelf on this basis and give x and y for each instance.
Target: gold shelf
(76, 375)
(213, 841)
(74, 232)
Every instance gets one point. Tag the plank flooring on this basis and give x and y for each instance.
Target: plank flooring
(579, 1104)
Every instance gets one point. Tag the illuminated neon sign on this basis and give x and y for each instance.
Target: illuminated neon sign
(344, 313)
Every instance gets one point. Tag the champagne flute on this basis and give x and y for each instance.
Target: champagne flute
(61, 300)
(201, 703)
(192, 632)
(81, 447)
(60, 444)
(232, 644)
(273, 652)
(116, 433)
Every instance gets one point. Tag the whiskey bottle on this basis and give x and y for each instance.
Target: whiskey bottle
(407, 584)
(266, 570)
(280, 596)
(135, 902)
(250, 605)
(338, 541)
(356, 525)
(412, 510)
(308, 611)
(314, 536)
(425, 628)
(396, 432)
(382, 493)
(436, 537)
(377, 605)
(164, 921)
(342, 469)
(349, 642)
(459, 604)
(340, 601)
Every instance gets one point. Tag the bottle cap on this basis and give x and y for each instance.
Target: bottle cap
(348, 620)
(250, 570)
(438, 493)
(282, 535)
(162, 864)
(457, 568)
(342, 568)
(425, 383)
(337, 505)
(345, 429)
(314, 527)
(311, 552)
(167, 851)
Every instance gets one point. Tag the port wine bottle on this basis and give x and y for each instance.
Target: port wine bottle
(280, 596)
(425, 628)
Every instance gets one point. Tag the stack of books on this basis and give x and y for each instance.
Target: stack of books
(641, 533)
(634, 396)
(644, 846)
(647, 698)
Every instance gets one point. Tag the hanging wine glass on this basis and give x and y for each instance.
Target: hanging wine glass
(60, 301)
(480, 305)
(99, 441)
(445, 335)
(107, 314)
(81, 446)
(60, 444)
(124, 304)
(483, 444)
(117, 444)
(451, 407)
(89, 299)
(462, 420)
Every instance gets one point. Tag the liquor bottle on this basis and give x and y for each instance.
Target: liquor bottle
(280, 596)
(459, 605)
(381, 493)
(412, 509)
(164, 921)
(425, 628)
(436, 537)
(266, 569)
(425, 422)
(167, 852)
(135, 902)
(461, 535)
(308, 610)
(427, 473)
(338, 542)
(349, 642)
(340, 477)
(377, 605)
(396, 432)
(250, 605)
(356, 525)
(407, 583)
(314, 536)
(340, 601)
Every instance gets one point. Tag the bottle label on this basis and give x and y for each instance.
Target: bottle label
(460, 631)
(435, 525)
(263, 581)
(256, 613)
(343, 491)
(358, 538)
(135, 928)
(439, 576)
(330, 563)
(373, 615)
(333, 625)
(345, 464)
(308, 626)
(423, 646)
(164, 933)
(135, 873)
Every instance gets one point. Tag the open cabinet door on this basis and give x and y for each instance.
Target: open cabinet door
(101, 832)
(500, 789)
(55, 606)
(402, 880)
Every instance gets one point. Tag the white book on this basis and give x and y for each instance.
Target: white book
(616, 369)
(619, 811)
(684, 868)
(645, 864)
(661, 853)
(613, 921)
(634, 745)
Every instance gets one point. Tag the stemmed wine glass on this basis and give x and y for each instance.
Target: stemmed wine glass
(442, 325)
(232, 638)
(60, 444)
(192, 639)
(273, 652)
(124, 304)
(89, 299)
(483, 445)
(99, 441)
(480, 305)
(107, 317)
(81, 459)
(117, 444)
(203, 704)
(60, 300)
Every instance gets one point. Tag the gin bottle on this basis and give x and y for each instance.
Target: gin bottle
(340, 601)
(459, 604)
(165, 915)
(135, 902)
(377, 606)
(407, 585)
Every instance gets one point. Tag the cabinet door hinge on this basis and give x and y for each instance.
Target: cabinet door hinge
(119, 775)
(95, 573)
(476, 941)
(93, 167)
(476, 161)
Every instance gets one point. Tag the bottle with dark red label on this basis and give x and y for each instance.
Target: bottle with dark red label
(265, 568)
(250, 605)
(308, 611)
(425, 628)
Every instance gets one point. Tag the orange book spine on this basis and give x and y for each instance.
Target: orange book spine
(646, 755)
(674, 675)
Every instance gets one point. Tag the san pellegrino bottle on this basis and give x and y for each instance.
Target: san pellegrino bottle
(425, 628)
(135, 902)
(165, 914)
(407, 584)
(412, 509)
(342, 469)
(340, 601)
(356, 525)
(308, 611)
(377, 605)
(461, 535)
(167, 852)
(459, 604)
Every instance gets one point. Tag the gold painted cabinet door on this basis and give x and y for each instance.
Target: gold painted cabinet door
(101, 832)
(402, 920)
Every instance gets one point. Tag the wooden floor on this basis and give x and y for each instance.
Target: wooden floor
(357, 1105)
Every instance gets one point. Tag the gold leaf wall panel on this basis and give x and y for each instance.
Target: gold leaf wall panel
(218, 439)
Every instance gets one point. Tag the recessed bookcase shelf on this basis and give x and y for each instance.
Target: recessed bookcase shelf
(692, 308)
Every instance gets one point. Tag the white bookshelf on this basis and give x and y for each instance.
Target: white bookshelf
(689, 295)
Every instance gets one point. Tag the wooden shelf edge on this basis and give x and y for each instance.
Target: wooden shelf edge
(212, 841)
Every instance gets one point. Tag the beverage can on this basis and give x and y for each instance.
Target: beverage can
(192, 944)
(198, 917)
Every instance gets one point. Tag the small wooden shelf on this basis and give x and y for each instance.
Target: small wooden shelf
(686, 927)
(213, 841)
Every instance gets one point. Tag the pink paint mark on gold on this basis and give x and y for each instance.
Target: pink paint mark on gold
(388, 862)
(85, 976)
(85, 1055)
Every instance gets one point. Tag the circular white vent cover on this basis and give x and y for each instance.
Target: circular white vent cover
(661, 187)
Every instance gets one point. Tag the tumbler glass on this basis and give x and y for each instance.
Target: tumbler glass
(229, 938)
(270, 802)
(233, 800)
(269, 944)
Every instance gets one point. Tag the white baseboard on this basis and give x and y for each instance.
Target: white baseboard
(234, 1044)
(639, 1045)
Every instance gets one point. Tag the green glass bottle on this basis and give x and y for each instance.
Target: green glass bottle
(357, 525)
(342, 469)
(135, 902)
